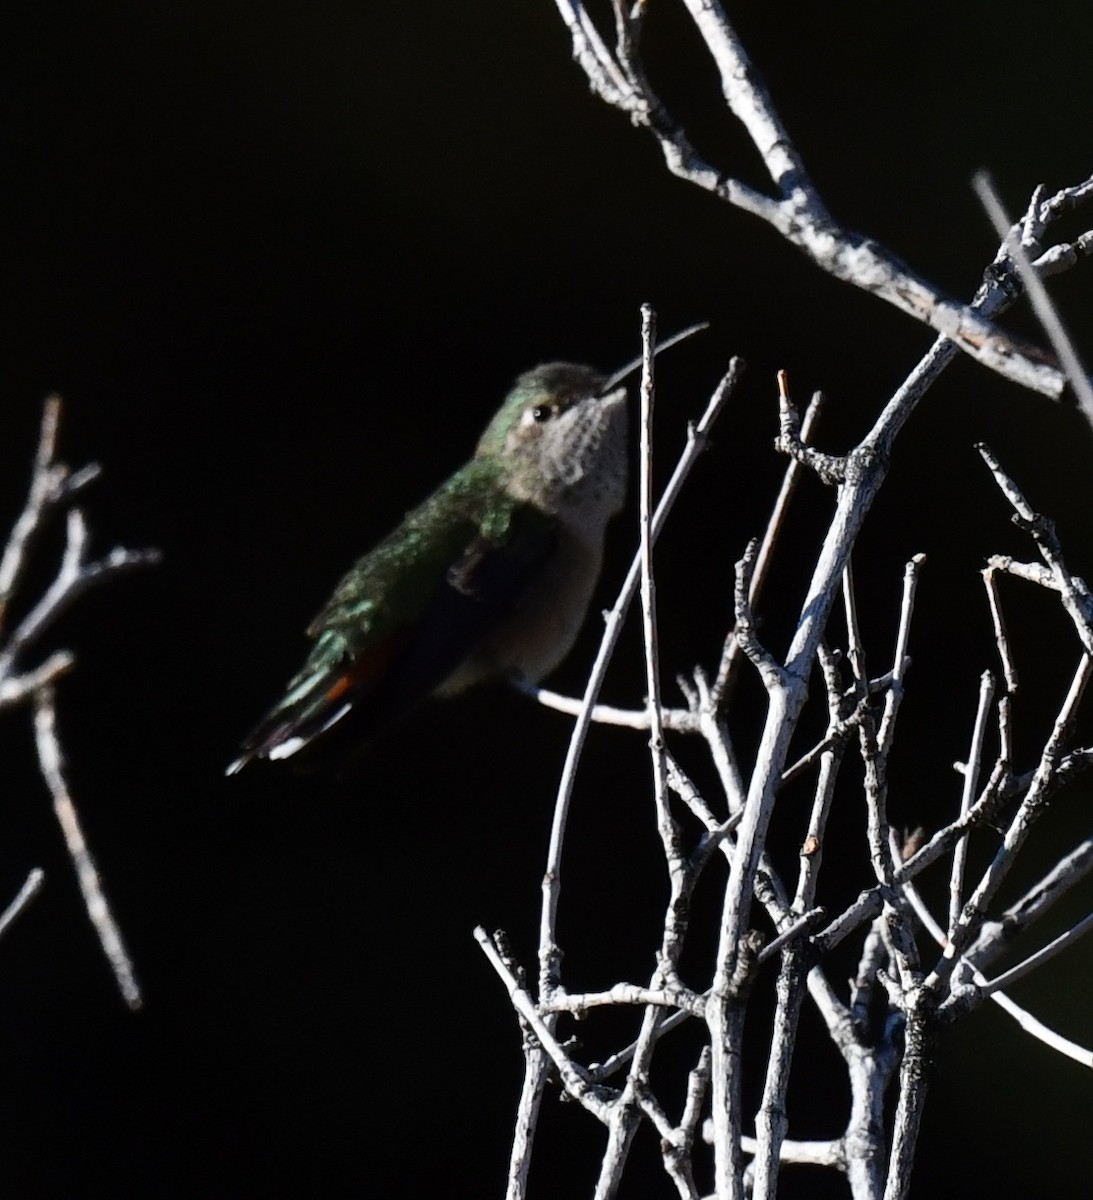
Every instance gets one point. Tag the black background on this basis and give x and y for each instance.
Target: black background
(283, 260)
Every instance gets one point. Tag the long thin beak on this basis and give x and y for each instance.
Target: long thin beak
(667, 344)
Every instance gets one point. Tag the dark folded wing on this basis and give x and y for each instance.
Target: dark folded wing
(398, 625)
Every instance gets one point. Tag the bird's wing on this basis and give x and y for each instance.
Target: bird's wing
(402, 620)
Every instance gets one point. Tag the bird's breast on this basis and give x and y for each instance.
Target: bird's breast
(545, 619)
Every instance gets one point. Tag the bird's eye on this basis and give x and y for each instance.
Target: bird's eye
(542, 412)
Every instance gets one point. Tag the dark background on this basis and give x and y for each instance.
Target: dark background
(283, 260)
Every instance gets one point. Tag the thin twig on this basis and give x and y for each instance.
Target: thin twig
(730, 654)
(1001, 639)
(696, 442)
(592, 1096)
(893, 698)
(812, 850)
(32, 885)
(792, 440)
(635, 1096)
(626, 994)
(45, 486)
(1022, 1016)
(1043, 955)
(996, 935)
(678, 719)
(51, 762)
(1075, 594)
(1042, 306)
(74, 576)
(668, 831)
(970, 919)
(971, 782)
(15, 689)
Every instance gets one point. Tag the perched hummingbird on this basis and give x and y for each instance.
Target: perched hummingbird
(491, 575)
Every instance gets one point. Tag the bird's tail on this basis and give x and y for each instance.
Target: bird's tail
(329, 686)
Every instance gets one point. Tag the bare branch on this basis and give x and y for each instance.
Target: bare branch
(967, 925)
(1000, 637)
(1024, 1019)
(52, 487)
(1014, 238)
(798, 213)
(98, 910)
(45, 488)
(1043, 955)
(594, 1097)
(679, 719)
(775, 524)
(971, 782)
(900, 660)
(1074, 592)
(31, 887)
(887, 1021)
(791, 439)
(15, 690)
(696, 442)
(761, 658)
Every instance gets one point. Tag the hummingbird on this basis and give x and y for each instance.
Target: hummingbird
(490, 576)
